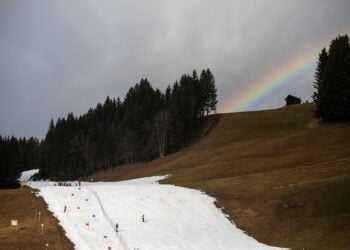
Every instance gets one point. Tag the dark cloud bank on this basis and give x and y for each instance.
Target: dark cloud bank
(63, 55)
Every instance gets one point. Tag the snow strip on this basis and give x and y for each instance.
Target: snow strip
(175, 217)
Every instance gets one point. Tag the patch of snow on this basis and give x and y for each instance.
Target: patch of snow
(175, 217)
(26, 175)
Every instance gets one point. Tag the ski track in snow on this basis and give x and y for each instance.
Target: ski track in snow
(125, 247)
(176, 218)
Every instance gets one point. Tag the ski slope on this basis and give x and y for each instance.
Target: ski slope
(175, 217)
(26, 175)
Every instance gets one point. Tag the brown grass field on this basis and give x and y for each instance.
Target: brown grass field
(21, 205)
(280, 175)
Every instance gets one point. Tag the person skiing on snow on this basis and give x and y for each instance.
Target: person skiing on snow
(116, 227)
(143, 218)
(65, 209)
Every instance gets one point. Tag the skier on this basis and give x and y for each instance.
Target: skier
(143, 218)
(65, 209)
(116, 227)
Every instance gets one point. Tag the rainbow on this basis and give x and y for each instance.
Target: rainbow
(273, 81)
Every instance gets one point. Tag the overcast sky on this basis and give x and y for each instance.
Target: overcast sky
(63, 56)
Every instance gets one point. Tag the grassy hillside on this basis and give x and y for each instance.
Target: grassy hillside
(281, 176)
(22, 205)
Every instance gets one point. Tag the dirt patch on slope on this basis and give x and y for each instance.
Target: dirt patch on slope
(22, 205)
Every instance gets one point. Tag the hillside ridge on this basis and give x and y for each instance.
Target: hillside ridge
(280, 181)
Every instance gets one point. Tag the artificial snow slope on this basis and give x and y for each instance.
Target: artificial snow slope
(26, 175)
(175, 217)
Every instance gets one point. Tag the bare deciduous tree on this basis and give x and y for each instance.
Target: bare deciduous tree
(161, 126)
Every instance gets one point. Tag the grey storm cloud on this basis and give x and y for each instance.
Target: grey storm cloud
(64, 56)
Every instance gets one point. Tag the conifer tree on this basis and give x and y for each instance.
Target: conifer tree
(332, 82)
(319, 80)
(10, 160)
(208, 81)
